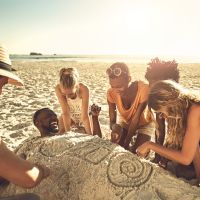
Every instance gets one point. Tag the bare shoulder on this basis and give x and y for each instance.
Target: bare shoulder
(143, 84)
(195, 110)
(59, 94)
(194, 114)
(83, 88)
(57, 88)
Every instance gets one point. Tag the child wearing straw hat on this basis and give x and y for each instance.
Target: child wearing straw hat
(13, 168)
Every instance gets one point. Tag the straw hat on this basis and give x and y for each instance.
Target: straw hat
(6, 70)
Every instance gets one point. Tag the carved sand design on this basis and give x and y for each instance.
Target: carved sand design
(127, 171)
(84, 167)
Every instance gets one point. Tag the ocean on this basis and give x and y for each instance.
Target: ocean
(102, 58)
(82, 58)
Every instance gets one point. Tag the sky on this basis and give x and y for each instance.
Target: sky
(134, 27)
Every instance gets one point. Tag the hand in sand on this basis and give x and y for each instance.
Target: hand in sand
(44, 170)
(116, 133)
(143, 150)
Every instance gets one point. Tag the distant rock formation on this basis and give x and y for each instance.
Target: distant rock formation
(89, 168)
(35, 54)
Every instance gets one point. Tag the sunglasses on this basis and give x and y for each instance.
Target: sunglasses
(116, 71)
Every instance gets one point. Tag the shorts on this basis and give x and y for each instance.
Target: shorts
(148, 129)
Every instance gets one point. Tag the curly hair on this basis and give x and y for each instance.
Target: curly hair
(162, 70)
(69, 77)
(176, 100)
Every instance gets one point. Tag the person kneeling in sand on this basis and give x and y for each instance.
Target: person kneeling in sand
(46, 121)
(182, 107)
(74, 101)
(130, 100)
(159, 70)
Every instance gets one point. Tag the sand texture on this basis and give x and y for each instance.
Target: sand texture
(40, 78)
(83, 167)
(87, 167)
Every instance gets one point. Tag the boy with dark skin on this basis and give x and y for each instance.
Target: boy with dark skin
(47, 122)
(130, 99)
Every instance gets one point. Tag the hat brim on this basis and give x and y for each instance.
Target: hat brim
(12, 78)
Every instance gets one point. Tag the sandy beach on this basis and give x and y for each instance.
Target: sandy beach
(18, 104)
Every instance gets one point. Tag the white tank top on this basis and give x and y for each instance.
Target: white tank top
(75, 107)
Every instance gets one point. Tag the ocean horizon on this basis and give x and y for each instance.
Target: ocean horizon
(100, 58)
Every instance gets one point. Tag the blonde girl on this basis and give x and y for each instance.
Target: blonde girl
(74, 101)
(181, 109)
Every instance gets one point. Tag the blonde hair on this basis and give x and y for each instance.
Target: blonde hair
(69, 77)
(176, 100)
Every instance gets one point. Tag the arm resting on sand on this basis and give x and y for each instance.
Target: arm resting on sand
(19, 171)
(190, 142)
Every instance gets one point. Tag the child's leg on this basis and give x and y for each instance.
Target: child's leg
(123, 137)
(116, 133)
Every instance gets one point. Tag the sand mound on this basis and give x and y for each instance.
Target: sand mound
(86, 167)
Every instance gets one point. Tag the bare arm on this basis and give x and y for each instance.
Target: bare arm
(19, 171)
(65, 108)
(95, 110)
(134, 124)
(96, 126)
(190, 142)
(85, 109)
(112, 113)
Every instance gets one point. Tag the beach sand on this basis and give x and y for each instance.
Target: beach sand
(18, 104)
